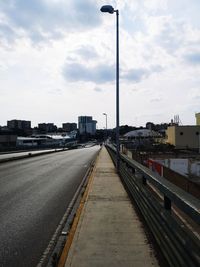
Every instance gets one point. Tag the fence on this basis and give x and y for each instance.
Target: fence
(161, 203)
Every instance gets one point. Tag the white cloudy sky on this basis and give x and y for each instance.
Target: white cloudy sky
(57, 61)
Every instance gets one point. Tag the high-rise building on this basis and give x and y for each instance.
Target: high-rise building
(19, 124)
(47, 127)
(86, 125)
(69, 127)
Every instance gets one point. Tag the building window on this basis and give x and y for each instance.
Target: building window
(181, 133)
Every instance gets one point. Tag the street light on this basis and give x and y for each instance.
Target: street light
(111, 10)
(105, 114)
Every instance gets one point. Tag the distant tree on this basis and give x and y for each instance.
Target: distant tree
(60, 130)
(100, 135)
(150, 125)
(125, 129)
(157, 127)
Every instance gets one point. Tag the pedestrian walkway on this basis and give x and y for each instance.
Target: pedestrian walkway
(109, 232)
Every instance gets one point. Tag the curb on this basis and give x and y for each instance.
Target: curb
(72, 231)
(56, 250)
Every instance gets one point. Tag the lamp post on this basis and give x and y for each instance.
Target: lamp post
(105, 114)
(111, 10)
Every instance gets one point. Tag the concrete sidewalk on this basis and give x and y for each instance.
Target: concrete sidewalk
(109, 232)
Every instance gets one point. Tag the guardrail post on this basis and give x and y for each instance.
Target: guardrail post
(133, 170)
(144, 180)
(167, 203)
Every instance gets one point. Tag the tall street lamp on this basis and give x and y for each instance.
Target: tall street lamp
(111, 10)
(105, 114)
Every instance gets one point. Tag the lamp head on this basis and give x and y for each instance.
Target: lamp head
(107, 9)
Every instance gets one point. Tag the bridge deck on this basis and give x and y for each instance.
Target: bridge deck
(109, 232)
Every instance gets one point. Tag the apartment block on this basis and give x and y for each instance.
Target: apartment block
(69, 127)
(19, 124)
(86, 125)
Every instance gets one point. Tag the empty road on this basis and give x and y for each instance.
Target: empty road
(34, 195)
(4, 156)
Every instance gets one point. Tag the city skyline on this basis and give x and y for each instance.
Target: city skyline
(57, 60)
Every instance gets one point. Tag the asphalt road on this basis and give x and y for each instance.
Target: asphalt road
(25, 153)
(34, 195)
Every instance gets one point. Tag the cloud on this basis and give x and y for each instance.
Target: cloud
(193, 58)
(194, 93)
(155, 4)
(137, 75)
(171, 35)
(55, 91)
(7, 33)
(97, 89)
(98, 74)
(87, 52)
(103, 73)
(42, 20)
(155, 100)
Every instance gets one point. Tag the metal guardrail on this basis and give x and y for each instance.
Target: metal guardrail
(177, 242)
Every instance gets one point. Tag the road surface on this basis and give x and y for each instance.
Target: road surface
(34, 195)
(25, 153)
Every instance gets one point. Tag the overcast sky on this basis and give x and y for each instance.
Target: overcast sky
(57, 61)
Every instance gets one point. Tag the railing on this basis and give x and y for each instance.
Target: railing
(166, 209)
